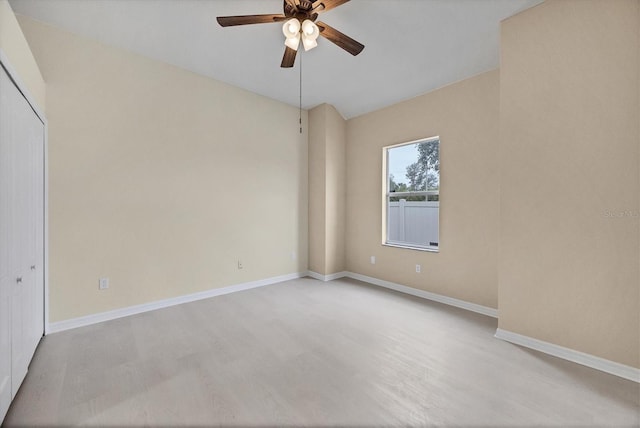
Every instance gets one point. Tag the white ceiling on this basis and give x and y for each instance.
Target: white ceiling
(412, 46)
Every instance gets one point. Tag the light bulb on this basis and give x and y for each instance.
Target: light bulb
(293, 42)
(291, 28)
(310, 29)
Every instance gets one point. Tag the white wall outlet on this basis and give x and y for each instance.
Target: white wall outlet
(103, 283)
(418, 268)
(239, 264)
(293, 255)
(373, 260)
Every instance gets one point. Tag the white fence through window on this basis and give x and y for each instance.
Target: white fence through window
(413, 223)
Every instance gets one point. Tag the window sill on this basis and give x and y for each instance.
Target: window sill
(408, 247)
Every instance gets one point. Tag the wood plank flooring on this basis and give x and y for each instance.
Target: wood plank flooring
(307, 353)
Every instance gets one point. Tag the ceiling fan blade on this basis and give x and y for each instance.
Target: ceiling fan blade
(325, 5)
(290, 7)
(229, 21)
(345, 42)
(289, 57)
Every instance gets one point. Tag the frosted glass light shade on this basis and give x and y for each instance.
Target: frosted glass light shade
(291, 28)
(293, 42)
(310, 30)
(308, 42)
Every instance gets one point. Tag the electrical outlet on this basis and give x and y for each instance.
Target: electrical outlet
(103, 284)
(373, 260)
(418, 268)
(293, 255)
(239, 264)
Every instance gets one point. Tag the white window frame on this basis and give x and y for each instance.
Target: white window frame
(387, 195)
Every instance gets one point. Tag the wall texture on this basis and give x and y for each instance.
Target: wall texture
(569, 166)
(327, 190)
(465, 116)
(15, 47)
(161, 179)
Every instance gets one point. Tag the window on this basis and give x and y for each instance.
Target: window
(412, 194)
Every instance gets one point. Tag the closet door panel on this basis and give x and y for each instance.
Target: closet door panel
(34, 253)
(21, 223)
(6, 286)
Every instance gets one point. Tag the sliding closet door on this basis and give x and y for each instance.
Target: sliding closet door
(36, 254)
(21, 237)
(27, 305)
(28, 133)
(20, 223)
(32, 238)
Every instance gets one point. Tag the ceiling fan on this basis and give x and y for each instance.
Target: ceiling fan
(300, 26)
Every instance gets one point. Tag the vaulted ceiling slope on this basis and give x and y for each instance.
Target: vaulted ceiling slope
(412, 46)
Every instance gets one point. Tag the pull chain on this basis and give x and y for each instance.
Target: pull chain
(300, 105)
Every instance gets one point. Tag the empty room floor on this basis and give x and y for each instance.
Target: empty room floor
(308, 353)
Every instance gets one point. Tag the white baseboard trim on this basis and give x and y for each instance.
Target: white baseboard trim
(473, 307)
(59, 326)
(326, 278)
(608, 366)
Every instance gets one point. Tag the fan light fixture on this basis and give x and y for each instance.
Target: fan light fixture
(293, 30)
(310, 33)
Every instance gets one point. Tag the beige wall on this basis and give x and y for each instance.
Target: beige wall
(317, 189)
(327, 176)
(465, 116)
(161, 179)
(336, 190)
(15, 47)
(569, 149)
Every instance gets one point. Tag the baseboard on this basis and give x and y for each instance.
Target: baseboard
(608, 366)
(151, 306)
(473, 307)
(326, 278)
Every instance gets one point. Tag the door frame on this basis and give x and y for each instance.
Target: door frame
(22, 87)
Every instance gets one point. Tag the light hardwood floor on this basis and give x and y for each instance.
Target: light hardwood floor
(307, 353)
